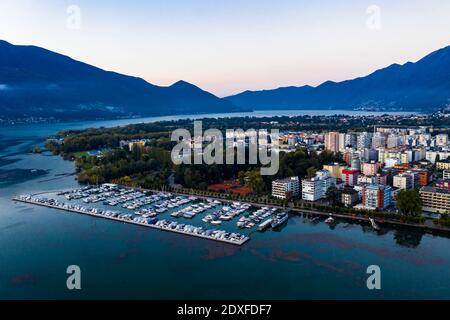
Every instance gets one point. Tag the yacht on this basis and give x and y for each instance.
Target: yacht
(279, 219)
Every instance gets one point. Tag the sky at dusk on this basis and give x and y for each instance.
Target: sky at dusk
(228, 46)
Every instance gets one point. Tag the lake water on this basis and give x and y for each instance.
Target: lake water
(302, 261)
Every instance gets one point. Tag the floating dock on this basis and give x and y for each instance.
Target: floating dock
(69, 209)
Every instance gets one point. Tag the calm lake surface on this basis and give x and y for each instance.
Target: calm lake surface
(302, 261)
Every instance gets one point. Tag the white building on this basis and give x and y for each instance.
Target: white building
(446, 174)
(316, 188)
(404, 181)
(286, 188)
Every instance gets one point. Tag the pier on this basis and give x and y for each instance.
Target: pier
(65, 207)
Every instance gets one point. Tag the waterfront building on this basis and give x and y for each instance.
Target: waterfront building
(349, 197)
(435, 199)
(316, 188)
(376, 196)
(286, 188)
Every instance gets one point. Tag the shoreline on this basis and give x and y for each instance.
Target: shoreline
(431, 227)
(245, 113)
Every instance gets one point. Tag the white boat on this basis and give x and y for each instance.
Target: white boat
(374, 225)
(329, 220)
(216, 222)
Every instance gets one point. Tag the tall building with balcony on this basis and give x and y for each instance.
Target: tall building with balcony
(350, 140)
(364, 140)
(286, 188)
(377, 196)
(435, 199)
(316, 188)
(332, 141)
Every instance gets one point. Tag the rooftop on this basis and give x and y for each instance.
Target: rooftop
(435, 190)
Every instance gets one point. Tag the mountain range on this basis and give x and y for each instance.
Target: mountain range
(420, 86)
(38, 82)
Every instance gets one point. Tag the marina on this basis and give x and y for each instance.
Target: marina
(172, 226)
(164, 211)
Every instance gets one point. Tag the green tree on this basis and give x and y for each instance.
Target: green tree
(255, 181)
(311, 172)
(409, 202)
(333, 195)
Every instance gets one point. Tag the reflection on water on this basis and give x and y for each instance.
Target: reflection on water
(408, 238)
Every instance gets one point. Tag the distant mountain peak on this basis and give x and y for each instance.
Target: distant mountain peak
(420, 86)
(183, 84)
(32, 74)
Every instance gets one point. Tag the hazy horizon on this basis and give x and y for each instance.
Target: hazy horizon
(226, 47)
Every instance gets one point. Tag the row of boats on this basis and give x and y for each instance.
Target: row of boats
(128, 217)
(227, 213)
(264, 214)
(147, 206)
(95, 194)
(194, 209)
(214, 234)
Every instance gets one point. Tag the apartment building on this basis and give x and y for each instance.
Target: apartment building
(286, 188)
